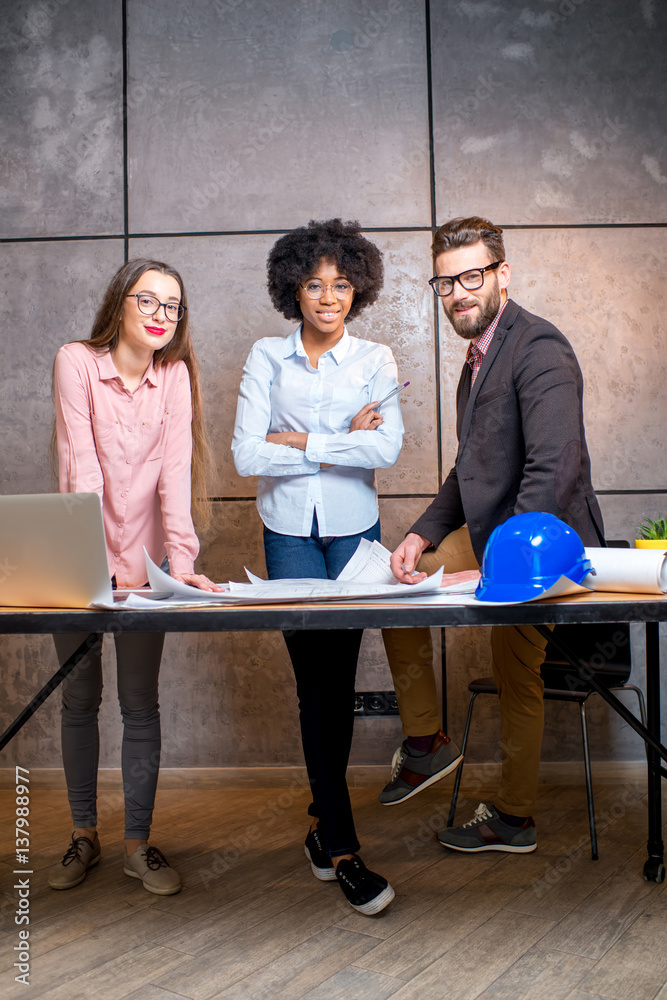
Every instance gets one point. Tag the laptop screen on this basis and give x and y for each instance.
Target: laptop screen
(53, 551)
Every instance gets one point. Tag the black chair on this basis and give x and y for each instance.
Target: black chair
(606, 649)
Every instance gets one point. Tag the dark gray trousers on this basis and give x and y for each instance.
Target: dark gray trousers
(138, 656)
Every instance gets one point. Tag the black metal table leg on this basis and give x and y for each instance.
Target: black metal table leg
(654, 868)
(42, 695)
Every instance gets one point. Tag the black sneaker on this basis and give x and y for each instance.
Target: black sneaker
(320, 862)
(366, 891)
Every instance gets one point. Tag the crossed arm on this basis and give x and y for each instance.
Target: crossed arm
(365, 420)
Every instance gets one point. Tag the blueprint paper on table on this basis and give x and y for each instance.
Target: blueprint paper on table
(270, 591)
(260, 591)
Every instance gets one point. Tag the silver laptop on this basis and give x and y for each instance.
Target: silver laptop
(52, 551)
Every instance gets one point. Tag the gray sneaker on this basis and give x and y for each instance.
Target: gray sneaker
(410, 775)
(151, 866)
(81, 855)
(486, 831)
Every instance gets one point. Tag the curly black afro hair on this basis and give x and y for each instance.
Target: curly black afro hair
(297, 255)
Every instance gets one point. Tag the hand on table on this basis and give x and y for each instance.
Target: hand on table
(197, 580)
(463, 577)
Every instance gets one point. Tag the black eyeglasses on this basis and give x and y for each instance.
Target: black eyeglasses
(149, 305)
(470, 280)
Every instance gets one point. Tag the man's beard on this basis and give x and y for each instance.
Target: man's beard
(470, 327)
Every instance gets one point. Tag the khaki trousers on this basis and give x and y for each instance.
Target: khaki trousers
(518, 654)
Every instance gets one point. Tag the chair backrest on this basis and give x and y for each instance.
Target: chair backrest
(604, 646)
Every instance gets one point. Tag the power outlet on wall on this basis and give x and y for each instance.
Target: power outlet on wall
(375, 703)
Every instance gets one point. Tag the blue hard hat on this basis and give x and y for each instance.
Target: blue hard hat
(528, 554)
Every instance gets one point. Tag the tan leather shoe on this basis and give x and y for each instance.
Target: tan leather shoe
(81, 855)
(150, 865)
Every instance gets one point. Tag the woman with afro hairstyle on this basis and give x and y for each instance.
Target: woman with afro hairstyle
(307, 425)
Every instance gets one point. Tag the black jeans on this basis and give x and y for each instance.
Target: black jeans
(325, 666)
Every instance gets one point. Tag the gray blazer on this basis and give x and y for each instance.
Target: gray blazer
(522, 445)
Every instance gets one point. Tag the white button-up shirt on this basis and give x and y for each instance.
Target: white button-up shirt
(281, 391)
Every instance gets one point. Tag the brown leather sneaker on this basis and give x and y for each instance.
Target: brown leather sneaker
(81, 855)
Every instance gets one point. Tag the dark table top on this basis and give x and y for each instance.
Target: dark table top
(343, 614)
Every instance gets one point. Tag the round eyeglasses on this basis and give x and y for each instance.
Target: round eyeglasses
(316, 289)
(470, 280)
(149, 305)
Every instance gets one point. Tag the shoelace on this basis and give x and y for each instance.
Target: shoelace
(481, 815)
(397, 763)
(73, 852)
(155, 859)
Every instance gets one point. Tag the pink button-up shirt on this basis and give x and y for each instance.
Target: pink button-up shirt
(132, 448)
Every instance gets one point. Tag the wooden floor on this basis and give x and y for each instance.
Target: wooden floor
(253, 924)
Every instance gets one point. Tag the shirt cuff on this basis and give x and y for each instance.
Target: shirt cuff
(316, 447)
(181, 564)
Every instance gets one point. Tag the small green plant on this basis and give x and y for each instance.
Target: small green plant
(649, 529)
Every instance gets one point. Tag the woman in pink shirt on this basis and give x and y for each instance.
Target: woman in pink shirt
(129, 427)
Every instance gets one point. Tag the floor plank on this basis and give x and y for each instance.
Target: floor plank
(624, 972)
(435, 932)
(539, 975)
(115, 978)
(602, 917)
(302, 969)
(463, 972)
(355, 984)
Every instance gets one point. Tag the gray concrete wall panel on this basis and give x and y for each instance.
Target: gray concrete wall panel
(49, 293)
(604, 289)
(61, 107)
(278, 112)
(622, 514)
(550, 112)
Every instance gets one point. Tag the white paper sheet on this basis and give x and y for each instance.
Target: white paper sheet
(628, 571)
(260, 591)
(370, 563)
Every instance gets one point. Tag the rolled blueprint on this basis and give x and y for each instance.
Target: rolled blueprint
(627, 571)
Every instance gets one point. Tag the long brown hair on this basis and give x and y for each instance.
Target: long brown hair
(104, 336)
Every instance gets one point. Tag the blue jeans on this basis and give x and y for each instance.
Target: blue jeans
(325, 666)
